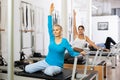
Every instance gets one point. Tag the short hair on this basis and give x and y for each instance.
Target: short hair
(81, 27)
(58, 26)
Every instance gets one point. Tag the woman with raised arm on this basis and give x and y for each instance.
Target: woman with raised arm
(80, 39)
(53, 63)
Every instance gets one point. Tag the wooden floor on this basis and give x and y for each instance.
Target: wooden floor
(113, 73)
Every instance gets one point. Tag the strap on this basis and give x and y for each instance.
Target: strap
(26, 18)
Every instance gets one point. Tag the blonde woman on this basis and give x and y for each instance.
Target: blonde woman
(53, 63)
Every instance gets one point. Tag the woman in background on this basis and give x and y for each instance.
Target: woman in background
(105, 46)
(80, 39)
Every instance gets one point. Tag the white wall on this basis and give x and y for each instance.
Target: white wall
(104, 6)
(115, 4)
(99, 36)
(83, 16)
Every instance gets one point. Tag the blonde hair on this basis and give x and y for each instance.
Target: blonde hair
(58, 26)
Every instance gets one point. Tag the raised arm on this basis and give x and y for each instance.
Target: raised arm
(74, 25)
(50, 21)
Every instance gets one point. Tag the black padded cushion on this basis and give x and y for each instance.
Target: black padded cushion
(102, 63)
(103, 54)
(92, 48)
(64, 75)
(70, 60)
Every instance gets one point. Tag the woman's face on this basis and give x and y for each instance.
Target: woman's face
(81, 30)
(57, 31)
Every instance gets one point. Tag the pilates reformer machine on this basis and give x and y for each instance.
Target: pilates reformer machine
(66, 74)
(27, 24)
(115, 50)
(79, 76)
(95, 65)
(112, 55)
(26, 33)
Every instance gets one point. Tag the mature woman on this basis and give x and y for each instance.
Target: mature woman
(54, 61)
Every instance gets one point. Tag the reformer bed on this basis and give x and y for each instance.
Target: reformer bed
(112, 55)
(96, 65)
(66, 74)
(104, 56)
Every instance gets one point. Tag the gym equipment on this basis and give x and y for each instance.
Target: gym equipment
(2, 60)
(79, 76)
(112, 55)
(25, 22)
(1, 40)
(70, 59)
(105, 57)
(115, 50)
(64, 75)
(99, 66)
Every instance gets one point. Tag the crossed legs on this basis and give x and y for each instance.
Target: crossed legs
(43, 66)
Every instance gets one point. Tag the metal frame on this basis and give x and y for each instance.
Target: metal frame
(95, 63)
(115, 50)
(25, 30)
(1, 30)
(80, 76)
(1, 40)
(10, 30)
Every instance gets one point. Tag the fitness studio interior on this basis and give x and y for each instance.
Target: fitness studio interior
(59, 39)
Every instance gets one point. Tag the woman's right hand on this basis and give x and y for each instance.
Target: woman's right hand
(83, 53)
(51, 8)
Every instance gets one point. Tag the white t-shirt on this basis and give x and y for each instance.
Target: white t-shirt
(79, 43)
